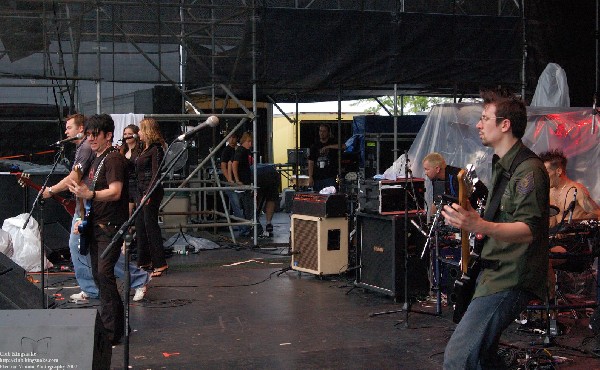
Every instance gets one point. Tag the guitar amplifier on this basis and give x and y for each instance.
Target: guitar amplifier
(319, 245)
(386, 197)
(319, 205)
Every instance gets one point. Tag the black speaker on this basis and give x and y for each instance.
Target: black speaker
(68, 339)
(381, 256)
(56, 242)
(19, 199)
(15, 290)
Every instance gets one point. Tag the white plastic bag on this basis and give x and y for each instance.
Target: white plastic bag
(6, 246)
(26, 242)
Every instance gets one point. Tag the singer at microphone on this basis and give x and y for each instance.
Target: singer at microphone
(211, 121)
(79, 136)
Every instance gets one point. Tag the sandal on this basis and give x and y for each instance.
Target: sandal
(159, 271)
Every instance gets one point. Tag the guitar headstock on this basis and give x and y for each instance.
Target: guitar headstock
(78, 171)
(23, 179)
(466, 180)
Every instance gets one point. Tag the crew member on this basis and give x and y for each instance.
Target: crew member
(227, 169)
(242, 174)
(109, 198)
(514, 256)
(323, 160)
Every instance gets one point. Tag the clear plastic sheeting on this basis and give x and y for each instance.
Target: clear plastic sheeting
(450, 130)
(552, 89)
(27, 243)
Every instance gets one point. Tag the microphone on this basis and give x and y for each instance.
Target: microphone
(134, 136)
(79, 136)
(211, 121)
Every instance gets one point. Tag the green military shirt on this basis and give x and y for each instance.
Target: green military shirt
(525, 199)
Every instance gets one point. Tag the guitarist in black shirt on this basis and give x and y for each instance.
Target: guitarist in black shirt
(514, 257)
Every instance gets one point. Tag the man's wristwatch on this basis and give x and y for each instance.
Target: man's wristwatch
(50, 190)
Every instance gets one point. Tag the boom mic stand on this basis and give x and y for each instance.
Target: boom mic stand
(123, 230)
(41, 201)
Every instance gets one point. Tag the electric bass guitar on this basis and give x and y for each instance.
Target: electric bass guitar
(464, 287)
(24, 180)
(85, 208)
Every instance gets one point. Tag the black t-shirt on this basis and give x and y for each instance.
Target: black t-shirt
(244, 158)
(227, 154)
(326, 164)
(114, 169)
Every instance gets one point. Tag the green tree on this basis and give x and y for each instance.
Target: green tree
(412, 104)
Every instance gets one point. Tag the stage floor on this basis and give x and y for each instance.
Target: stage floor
(234, 308)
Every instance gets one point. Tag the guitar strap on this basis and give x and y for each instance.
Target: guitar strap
(492, 208)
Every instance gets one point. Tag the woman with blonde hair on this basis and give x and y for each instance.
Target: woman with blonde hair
(149, 238)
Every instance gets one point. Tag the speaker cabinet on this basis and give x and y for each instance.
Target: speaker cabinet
(15, 290)
(319, 245)
(381, 256)
(69, 339)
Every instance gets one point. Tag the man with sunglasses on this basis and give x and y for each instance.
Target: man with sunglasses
(109, 210)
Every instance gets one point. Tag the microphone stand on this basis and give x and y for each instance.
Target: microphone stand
(128, 239)
(123, 230)
(41, 201)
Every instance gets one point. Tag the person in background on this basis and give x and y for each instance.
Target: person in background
(242, 175)
(562, 190)
(227, 169)
(444, 180)
(131, 149)
(514, 256)
(147, 168)
(562, 194)
(269, 182)
(323, 160)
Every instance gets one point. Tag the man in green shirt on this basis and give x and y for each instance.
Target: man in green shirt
(515, 254)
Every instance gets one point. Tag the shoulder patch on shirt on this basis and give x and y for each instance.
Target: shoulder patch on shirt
(526, 184)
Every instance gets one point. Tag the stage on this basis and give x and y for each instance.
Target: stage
(233, 307)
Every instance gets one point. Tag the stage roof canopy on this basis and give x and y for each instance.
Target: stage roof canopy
(303, 50)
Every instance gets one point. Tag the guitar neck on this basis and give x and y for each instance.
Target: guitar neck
(463, 199)
(68, 204)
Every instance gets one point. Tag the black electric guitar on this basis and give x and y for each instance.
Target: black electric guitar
(85, 208)
(470, 267)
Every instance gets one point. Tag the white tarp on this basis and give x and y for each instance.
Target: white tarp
(552, 89)
(450, 130)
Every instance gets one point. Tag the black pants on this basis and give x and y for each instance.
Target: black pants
(103, 270)
(149, 238)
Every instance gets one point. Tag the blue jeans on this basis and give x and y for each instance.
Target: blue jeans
(474, 343)
(83, 268)
(235, 203)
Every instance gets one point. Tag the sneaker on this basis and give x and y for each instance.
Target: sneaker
(140, 293)
(81, 296)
